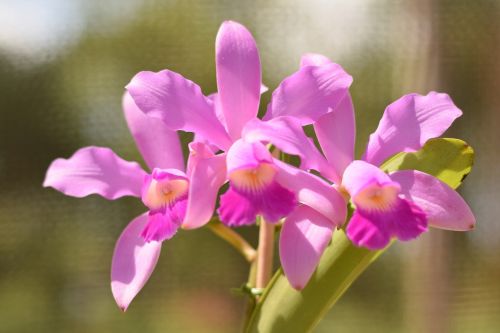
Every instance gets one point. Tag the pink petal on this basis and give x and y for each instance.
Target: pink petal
(287, 134)
(304, 237)
(360, 173)
(243, 201)
(199, 139)
(236, 210)
(312, 191)
(239, 207)
(95, 170)
(314, 59)
(445, 208)
(179, 103)
(408, 220)
(373, 229)
(215, 101)
(163, 224)
(238, 75)
(366, 232)
(217, 106)
(408, 123)
(207, 176)
(244, 154)
(309, 93)
(133, 262)
(159, 146)
(198, 150)
(336, 132)
(160, 227)
(276, 202)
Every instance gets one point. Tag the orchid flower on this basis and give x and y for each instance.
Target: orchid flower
(259, 184)
(170, 193)
(401, 204)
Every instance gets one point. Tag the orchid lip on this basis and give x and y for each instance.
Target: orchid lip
(163, 188)
(240, 206)
(377, 197)
(253, 178)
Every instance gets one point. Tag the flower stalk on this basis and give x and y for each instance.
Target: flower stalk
(252, 301)
(284, 309)
(235, 240)
(265, 254)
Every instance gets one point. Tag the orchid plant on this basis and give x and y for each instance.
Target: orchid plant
(373, 199)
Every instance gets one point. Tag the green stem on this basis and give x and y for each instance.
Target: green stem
(265, 254)
(234, 239)
(260, 269)
(284, 309)
(252, 301)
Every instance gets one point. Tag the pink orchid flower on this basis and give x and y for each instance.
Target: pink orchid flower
(171, 194)
(259, 184)
(398, 205)
(401, 204)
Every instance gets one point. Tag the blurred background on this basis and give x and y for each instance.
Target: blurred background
(63, 66)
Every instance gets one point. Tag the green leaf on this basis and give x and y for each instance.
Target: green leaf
(284, 309)
(447, 159)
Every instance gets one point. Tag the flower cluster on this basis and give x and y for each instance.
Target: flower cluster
(232, 146)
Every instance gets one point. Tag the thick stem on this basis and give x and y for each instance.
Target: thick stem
(265, 254)
(251, 300)
(284, 309)
(233, 238)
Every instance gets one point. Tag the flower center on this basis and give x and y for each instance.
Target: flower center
(377, 197)
(163, 193)
(254, 178)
